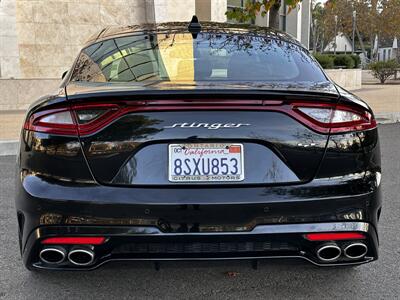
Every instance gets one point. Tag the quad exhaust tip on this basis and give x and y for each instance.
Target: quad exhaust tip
(52, 255)
(355, 250)
(329, 253)
(81, 257)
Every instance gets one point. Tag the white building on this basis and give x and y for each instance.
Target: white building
(343, 44)
(389, 50)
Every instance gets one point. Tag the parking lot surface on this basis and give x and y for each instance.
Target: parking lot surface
(274, 279)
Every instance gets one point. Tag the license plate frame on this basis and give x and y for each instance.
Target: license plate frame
(204, 178)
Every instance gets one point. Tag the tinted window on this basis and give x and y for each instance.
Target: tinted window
(209, 57)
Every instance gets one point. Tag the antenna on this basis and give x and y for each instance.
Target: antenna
(194, 26)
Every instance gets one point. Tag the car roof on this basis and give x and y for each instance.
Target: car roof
(182, 27)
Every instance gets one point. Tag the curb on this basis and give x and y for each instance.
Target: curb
(8, 148)
(11, 147)
(387, 118)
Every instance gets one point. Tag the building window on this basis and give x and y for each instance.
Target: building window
(384, 54)
(238, 4)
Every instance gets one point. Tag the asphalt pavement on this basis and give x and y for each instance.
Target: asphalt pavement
(274, 279)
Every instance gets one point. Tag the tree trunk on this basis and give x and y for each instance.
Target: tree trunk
(322, 41)
(377, 48)
(314, 35)
(274, 15)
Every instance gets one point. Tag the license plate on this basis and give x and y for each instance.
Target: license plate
(205, 162)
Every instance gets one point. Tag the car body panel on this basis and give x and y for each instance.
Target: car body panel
(118, 152)
(113, 182)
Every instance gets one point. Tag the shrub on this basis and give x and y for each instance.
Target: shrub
(382, 70)
(344, 60)
(357, 60)
(329, 61)
(326, 61)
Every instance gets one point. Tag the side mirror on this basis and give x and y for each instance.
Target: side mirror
(63, 74)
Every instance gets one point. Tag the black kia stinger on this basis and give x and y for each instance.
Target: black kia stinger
(201, 142)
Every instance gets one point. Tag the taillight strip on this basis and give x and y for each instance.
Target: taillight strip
(116, 110)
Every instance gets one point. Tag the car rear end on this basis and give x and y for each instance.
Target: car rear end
(169, 146)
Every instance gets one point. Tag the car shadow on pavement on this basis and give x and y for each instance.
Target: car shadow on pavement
(219, 279)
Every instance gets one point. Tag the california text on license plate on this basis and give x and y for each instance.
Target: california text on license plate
(205, 162)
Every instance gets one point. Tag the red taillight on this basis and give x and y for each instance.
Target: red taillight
(71, 240)
(56, 121)
(332, 118)
(93, 117)
(334, 236)
(82, 119)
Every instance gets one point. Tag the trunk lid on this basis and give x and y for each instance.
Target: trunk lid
(133, 149)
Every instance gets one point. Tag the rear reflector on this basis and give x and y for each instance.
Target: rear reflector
(74, 240)
(336, 236)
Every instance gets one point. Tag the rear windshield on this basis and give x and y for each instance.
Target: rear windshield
(210, 57)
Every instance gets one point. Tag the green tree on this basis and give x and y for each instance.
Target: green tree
(317, 26)
(373, 18)
(383, 70)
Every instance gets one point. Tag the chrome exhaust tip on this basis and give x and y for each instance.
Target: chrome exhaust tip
(329, 253)
(81, 257)
(52, 255)
(355, 250)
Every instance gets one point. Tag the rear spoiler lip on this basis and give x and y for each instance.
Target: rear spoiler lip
(329, 93)
(350, 98)
(60, 96)
(202, 94)
(162, 90)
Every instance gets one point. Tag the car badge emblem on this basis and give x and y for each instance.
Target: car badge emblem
(212, 126)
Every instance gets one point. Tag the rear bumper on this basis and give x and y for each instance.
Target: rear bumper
(149, 243)
(197, 224)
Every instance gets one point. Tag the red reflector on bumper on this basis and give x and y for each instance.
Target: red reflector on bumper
(334, 236)
(74, 240)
